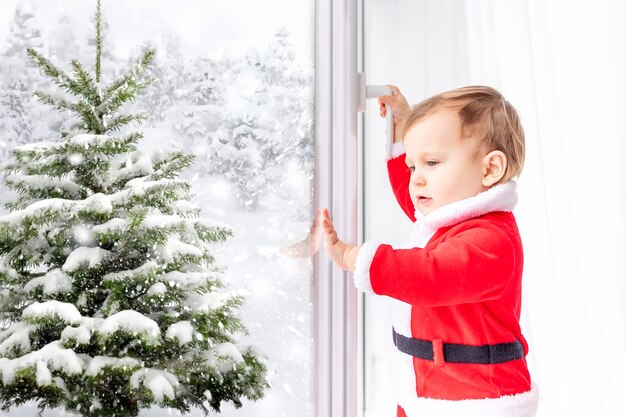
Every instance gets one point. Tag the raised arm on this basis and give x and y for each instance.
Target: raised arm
(399, 107)
(399, 174)
(399, 177)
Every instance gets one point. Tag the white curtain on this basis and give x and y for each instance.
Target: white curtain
(562, 64)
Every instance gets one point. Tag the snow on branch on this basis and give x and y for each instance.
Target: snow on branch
(174, 249)
(184, 279)
(213, 301)
(45, 185)
(84, 256)
(53, 282)
(81, 334)
(63, 311)
(132, 322)
(51, 355)
(17, 336)
(99, 363)
(181, 331)
(140, 189)
(46, 210)
(145, 271)
(160, 383)
(224, 357)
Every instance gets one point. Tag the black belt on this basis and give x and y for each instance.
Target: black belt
(440, 352)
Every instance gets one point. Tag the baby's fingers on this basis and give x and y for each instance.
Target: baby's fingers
(381, 106)
(387, 103)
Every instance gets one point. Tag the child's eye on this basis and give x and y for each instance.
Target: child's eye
(412, 169)
(431, 163)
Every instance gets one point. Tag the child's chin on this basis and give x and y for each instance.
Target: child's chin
(425, 207)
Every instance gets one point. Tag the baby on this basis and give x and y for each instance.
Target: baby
(458, 279)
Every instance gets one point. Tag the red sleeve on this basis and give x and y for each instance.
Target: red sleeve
(399, 177)
(472, 266)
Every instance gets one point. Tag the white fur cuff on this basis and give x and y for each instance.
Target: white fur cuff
(362, 270)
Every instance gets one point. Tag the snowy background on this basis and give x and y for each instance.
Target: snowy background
(233, 86)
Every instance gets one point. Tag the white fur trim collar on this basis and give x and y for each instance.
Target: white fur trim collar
(501, 197)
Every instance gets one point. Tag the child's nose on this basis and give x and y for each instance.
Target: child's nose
(417, 178)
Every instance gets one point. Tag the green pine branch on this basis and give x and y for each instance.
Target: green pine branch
(58, 76)
(117, 122)
(86, 82)
(140, 66)
(20, 203)
(212, 233)
(92, 109)
(171, 168)
(46, 189)
(98, 41)
(125, 93)
(91, 120)
(58, 103)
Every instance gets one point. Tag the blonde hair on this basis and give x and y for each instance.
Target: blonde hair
(486, 116)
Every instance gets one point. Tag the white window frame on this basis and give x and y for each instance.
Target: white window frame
(338, 182)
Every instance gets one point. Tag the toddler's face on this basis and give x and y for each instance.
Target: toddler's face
(444, 166)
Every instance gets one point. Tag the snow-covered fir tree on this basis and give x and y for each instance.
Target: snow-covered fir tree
(110, 299)
(289, 151)
(17, 109)
(290, 100)
(265, 127)
(237, 149)
(201, 106)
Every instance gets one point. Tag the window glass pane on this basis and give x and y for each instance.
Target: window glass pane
(234, 86)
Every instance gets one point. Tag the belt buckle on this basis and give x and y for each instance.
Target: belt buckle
(438, 356)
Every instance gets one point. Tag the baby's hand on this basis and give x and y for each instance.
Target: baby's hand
(342, 254)
(399, 107)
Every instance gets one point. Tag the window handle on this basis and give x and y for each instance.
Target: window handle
(364, 92)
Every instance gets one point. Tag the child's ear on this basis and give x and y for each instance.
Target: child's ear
(494, 166)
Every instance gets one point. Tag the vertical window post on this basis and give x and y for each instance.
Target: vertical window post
(336, 299)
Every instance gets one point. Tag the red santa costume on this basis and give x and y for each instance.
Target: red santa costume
(459, 348)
